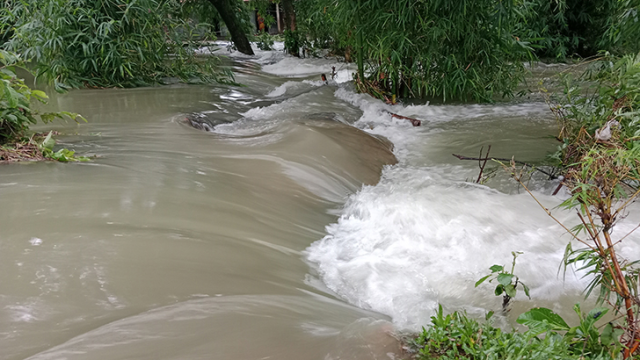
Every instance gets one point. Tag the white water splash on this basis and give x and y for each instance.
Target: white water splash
(423, 236)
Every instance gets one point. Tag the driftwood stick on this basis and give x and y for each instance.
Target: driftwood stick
(558, 188)
(414, 122)
(550, 175)
(482, 164)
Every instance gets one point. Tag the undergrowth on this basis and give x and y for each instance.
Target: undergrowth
(456, 336)
(17, 114)
(109, 43)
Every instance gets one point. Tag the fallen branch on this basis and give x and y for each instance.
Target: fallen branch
(550, 175)
(482, 164)
(414, 122)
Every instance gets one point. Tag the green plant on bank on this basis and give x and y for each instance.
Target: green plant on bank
(62, 155)
(600, 157)
(585, 339)
(108, 43)
(508, 282)
(455, 336)
(17, 113)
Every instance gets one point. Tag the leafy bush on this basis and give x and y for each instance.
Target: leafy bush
(624, 32)
(600, 158)
(107, 43)
(584, 339)
(264, 41)
(16, 113)
(208, 17)
(564, 28)
(455, 336)
(459, 49)
(317, 24)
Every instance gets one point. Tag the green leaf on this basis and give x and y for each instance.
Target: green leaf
(499, 290)
(510, 290)
(489, 315)
(606, 338)
(48, 142)
(597, 313)
(10, 94)
(41, 95)
(496, 268)
(540, 320)
(482, 280)
(526, 290)
(505, 279)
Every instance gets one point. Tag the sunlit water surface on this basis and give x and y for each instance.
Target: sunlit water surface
(305, 224)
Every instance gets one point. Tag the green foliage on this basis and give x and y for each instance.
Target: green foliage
(293, 42)
(564, 28)
(62, 155)
(264, 41)
(16, 112)
(455, 336)
(461, 49)
(262, 8)
(600, 158)
(315, 20)
(208, 17)
(108, 43)
(508, 282)
(610, 104)
(585, 339)
(624, 32)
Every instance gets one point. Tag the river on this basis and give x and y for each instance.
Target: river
(305, 224)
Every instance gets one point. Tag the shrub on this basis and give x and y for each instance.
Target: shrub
(16, 113)
(460, 49)
(455, 336)
(107, 43)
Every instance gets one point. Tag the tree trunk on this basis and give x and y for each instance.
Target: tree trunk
(278, 18)
(229, 14)
(289, 15)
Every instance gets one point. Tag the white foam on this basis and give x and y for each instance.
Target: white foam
(296, 67)
(422, 236)
(418, 239)
(290, 86)
(223, 48)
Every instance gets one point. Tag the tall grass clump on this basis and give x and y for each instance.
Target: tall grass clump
(107, 43)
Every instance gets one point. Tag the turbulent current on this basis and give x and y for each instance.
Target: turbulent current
(282, 219)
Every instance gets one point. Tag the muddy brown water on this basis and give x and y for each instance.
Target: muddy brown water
(305, 225)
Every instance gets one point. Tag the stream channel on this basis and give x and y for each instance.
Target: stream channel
(306, 223)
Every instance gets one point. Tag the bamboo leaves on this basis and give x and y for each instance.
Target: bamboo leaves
(108, 43)
(424, 48)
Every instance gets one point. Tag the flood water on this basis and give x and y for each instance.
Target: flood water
(305, 224)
